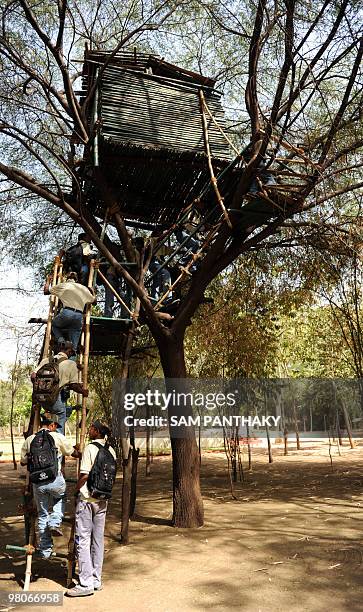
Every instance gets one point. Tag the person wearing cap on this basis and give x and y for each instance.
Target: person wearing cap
(90, 520)
(68, 380)
(67, 324)
(87, 253)
(49, 497)
(78, 256)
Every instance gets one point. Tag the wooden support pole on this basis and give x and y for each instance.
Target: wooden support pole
(135, 461)
(29, 515)
(87, 332)
(79, 396)
(126, 490)
(210, 165)
(28, 571)
(221, 129)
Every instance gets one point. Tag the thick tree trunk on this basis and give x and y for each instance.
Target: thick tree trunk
(187, 499)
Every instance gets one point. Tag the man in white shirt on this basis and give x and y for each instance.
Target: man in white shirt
(67, 324)
(68, 379)
(90, 520)
(49, 497)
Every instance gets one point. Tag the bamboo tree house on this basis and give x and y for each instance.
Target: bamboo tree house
(149, 142)
(148, 134)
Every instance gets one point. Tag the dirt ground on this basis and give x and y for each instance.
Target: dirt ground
(291, 541)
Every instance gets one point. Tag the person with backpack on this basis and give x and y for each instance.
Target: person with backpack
(51, 381)
(67, 324)
(93, 490)
(42, 454)
(77, 257)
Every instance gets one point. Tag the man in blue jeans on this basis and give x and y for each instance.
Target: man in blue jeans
(67, 324)
(68, 380)
(49, 497)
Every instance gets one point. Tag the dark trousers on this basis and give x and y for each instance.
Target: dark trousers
(116, 283)
(161, 281)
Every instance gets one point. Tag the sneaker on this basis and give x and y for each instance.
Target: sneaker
(79, 591)
(38, 554)
(98, 588)
(56, 532)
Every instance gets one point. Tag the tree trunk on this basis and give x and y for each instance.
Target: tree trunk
(270, 459)
(126, 489)
(135, 462)
(148, 458)
(119, 435)
(347, 424)
(187, 498)
(12, 429)
(249, 449)
(296, 425)
(339, 431)
(285, 441)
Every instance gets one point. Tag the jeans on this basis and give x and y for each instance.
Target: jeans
(161, 281)
(60, 412)
(116, 282)
(49, 501)
(90, 527)
(67, 325)
(84, 275)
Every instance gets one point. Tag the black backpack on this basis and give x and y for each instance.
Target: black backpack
(43, 458)
(103, 473)
(46, 383)
(73, 259)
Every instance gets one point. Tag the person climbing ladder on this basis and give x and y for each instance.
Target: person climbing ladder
(67, 324)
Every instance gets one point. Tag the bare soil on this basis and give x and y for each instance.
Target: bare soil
(291, 541)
